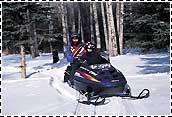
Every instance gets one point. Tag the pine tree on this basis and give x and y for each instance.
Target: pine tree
(25, 18)
(13, 26)
(147, 24)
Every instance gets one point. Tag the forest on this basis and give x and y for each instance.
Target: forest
(43, 27)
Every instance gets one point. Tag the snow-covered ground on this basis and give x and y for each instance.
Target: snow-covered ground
(44, 92)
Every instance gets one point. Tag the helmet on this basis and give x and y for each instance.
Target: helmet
(75, 39)
(89, 46)
(74, 35)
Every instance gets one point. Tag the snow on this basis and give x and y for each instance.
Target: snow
(44, 93)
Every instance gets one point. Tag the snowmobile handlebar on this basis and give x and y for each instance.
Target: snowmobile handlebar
(145, 93)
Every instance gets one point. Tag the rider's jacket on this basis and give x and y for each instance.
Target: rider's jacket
(75, 52)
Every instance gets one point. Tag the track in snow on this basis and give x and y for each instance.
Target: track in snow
(116, 105)
(84, 109)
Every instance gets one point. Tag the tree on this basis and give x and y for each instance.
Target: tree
(119, 23)
(73, 17)
(79, 19)
(111, 31)
(91, 23)
(98, 41)
(143, 22)
(13, 26)
(64, 26)
(31, 30)
(43, 26)
(105, 26)
(121, 27)
(24, 20)
(80, 23)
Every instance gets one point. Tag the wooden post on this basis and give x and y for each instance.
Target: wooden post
(23, 63)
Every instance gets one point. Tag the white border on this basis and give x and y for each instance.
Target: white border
(86, 1)
(46, 79)
(1, 56)
(170, 56)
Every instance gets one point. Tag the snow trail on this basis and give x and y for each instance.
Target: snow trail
(45, 93)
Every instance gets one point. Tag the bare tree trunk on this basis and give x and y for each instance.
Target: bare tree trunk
(23, 63)
(91, 23)
(50, 28)
(119, 17)
(82, 33)
(79, 19)
(121, 37)
(80, 23)
(96, 25)
(31, 29)
(5, 50)
(50, 34)
(35, 40)
(111, 31)
(105, 26)
(73, 19)
(64, 19)
(29, 34)
(117, 26)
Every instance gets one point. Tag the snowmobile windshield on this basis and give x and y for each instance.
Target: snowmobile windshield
(100, 60)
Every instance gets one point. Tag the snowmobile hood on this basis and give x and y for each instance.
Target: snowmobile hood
(104, 74)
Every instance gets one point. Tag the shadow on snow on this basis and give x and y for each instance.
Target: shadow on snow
(155, 65)
(48, 66)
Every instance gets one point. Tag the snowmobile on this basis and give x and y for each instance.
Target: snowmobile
(102, 81)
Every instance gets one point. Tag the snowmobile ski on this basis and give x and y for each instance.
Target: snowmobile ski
(96, 102)
(143, 94)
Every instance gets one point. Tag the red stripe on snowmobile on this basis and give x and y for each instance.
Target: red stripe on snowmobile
(87, 76)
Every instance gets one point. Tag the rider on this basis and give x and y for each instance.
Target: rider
(73, 54)
(76, 49)
(91, 57)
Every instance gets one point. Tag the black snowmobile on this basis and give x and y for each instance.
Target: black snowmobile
(101, 81)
